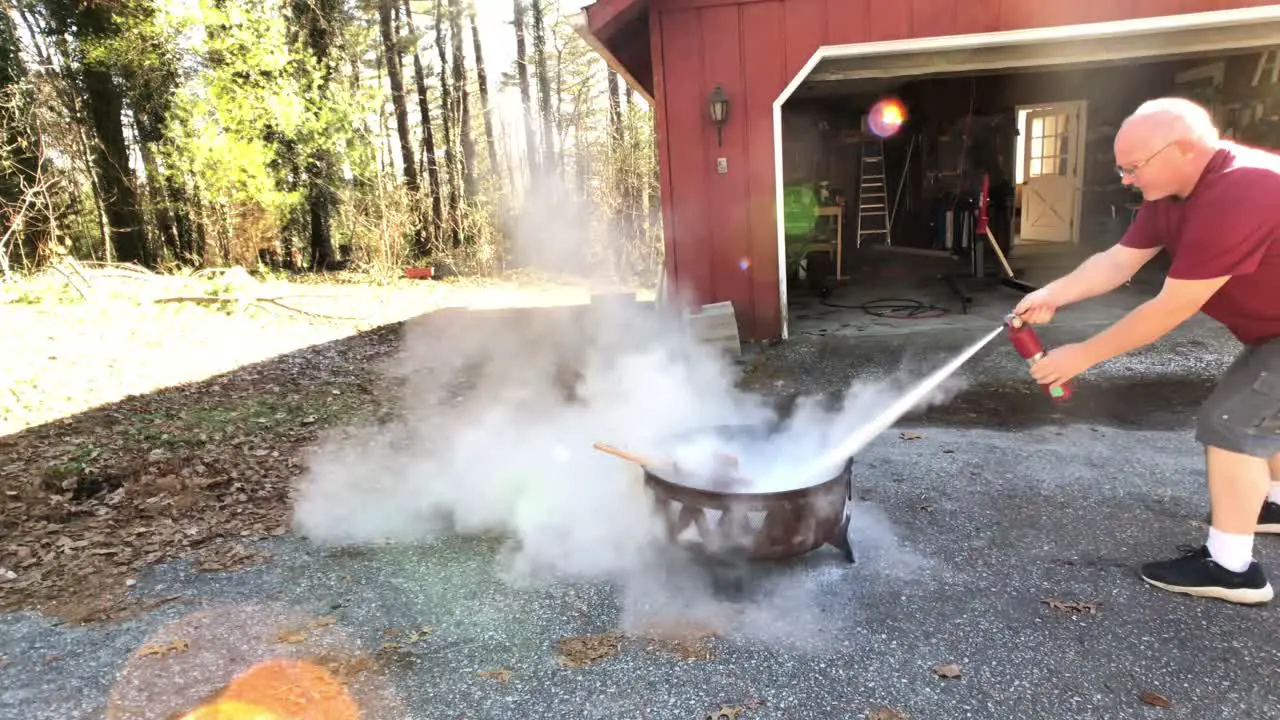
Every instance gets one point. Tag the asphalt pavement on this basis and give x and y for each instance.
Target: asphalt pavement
(997, 540)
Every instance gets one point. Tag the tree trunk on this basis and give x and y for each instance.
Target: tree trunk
(428, 135)
(526, 99)
(483, 83)
(391, 53)
(322, 21)
(176, 195)
(159, 203)
(20, 161)
(544, 84)
(94, 24)
(463, 101)
(449, 117)
(615, 113)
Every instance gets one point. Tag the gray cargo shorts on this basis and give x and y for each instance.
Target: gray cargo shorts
(1242, 414)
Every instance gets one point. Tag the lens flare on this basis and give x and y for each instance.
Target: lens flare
(887, 117)
(744, 263)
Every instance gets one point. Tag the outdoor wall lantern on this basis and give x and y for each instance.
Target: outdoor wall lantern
(719, 112)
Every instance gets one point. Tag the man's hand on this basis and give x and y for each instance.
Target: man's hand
(1036, 307)
(1061, 364)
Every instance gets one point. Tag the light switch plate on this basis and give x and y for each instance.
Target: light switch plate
(722, 165)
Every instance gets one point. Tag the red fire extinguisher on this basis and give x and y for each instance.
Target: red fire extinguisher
(1027, 343)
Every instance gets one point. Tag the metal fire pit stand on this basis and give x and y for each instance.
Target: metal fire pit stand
(757, 526)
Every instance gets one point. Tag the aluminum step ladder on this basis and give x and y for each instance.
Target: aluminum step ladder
(1274, 55)
(873, 196)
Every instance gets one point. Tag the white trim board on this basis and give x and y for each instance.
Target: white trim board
(1034, 46)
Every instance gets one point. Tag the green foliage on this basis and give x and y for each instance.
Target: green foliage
(255, 102)
(247, 114)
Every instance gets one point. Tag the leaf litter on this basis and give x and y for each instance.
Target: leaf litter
(1073, 606)
(585, 650)
(207, 469)
(155, 649)
(501, 676)
(1156, 699)
(137, 433)
(949, 671)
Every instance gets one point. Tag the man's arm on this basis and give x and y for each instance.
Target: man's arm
(1177, 302)
(1100, 274)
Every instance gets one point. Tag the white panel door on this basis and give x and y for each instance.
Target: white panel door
(1053, 143)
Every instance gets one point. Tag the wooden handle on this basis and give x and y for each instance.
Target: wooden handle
(630, 457)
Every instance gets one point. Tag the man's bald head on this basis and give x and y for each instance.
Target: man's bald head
(1165, 120)
(1163, 147)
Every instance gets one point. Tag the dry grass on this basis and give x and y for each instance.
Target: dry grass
(66, 354)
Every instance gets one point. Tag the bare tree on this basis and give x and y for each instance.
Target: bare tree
(538, 21)
(449, 122)
(526, 97)
(428, 135)
(463, 100)
(482, 81)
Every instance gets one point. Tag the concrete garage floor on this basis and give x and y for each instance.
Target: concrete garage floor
(891, 292)
(980, 521)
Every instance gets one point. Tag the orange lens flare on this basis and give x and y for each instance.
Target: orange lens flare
(281, 689)
(887, 117)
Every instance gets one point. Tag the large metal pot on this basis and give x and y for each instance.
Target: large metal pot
(753, 525)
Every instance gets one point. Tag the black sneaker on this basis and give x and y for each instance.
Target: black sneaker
(1195, 573)
(1269, 518)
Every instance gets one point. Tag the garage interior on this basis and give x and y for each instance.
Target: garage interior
(1035, 141)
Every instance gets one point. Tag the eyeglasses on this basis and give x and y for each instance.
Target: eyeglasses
(1131, 170)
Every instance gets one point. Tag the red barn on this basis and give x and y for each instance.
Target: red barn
(801, 76)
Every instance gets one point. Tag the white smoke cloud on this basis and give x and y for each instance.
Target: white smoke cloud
(502, 408)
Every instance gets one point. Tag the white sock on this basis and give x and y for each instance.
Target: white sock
(1274, 495)
(1233, 552)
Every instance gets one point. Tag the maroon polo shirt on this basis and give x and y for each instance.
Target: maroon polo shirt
(1228, 225)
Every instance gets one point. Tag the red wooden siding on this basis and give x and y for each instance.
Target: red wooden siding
(715, 221)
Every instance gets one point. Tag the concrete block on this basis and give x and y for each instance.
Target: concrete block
(716, 324)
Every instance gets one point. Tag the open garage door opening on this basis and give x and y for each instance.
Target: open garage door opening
(908, 194)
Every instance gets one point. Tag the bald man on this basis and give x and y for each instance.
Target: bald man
(1212, 205)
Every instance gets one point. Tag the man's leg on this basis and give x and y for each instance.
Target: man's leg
(1238, 485)
(1239, 426)
(1269, 519)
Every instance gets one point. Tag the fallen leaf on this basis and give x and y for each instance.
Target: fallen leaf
(154, 649)
(1072, 606)
(886, 713)
(949, 671)
(585, 650)
(1155, 699)
(732, 712)
(502, 676)
(291, 636)
(680, 640)
(345, 667)
(407, 639)
(910, 435)
(115, 447)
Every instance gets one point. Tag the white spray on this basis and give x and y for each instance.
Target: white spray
(829, 461)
